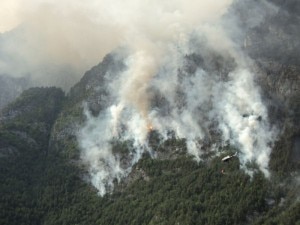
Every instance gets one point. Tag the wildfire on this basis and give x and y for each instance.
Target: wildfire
(150, 127)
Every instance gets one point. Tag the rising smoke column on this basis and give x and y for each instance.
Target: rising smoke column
(243, 119)
(220, 90)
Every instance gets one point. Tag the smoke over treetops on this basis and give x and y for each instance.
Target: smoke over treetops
(186, 72)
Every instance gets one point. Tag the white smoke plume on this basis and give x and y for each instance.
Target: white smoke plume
(186, 73)
(166, 40)
(39, 35)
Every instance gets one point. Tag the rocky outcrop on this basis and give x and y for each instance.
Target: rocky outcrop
(91, 91)
(274, 48)
(26, 123)
(11, 88)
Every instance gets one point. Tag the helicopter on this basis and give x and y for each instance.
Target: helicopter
(228, 157)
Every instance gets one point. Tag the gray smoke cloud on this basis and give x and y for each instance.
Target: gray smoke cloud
(53, 42)
(185, 73)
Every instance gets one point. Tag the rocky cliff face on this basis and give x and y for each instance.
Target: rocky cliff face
(91, 92)
(26, 123)
(275, 49)
(43, 124)
(11, 88)
(280, 84)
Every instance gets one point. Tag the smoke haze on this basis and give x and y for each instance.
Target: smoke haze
(75, 35)
(186, 72)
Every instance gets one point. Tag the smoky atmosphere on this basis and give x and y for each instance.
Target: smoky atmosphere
(149, 112)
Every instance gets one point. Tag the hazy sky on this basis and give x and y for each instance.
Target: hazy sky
(9, 15)
(52, 38)
(77, 34)
(55, 42)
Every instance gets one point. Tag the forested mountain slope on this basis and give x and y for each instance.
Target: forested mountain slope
(44, 140)
(42, 185)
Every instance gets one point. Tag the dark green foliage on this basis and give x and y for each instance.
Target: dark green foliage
(29, 119)
(24, 135)
(39, 186)
(50, 191)
(285, 156)
(36, 105)
(182, 191)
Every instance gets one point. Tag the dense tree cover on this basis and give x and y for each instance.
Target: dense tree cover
(43, 187)
(35, 105)
(178, 191)
(24, 134)
(182, 191)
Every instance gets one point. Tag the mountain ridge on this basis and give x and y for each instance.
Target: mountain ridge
(46, 181)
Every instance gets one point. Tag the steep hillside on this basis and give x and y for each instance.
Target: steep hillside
(11, 88)
(91, 91)
(169, 149)
(45, 184)
(25, 127)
